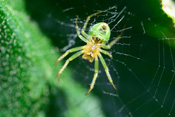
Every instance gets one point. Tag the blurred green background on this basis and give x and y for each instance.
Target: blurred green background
(33, 34)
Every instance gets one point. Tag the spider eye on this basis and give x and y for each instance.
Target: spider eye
(97, 38)
(104, 27)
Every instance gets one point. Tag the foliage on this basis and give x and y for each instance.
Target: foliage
(28, 81)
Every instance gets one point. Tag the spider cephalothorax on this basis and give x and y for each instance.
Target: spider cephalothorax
(92, 49)
(95, 40)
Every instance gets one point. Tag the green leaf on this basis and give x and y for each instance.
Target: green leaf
(27, 72)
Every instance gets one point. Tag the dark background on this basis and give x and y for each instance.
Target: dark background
(136, 76)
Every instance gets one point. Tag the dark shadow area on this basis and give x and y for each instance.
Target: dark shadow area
(57, 101)
(135, 76)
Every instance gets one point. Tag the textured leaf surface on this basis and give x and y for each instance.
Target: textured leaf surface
(27, 73)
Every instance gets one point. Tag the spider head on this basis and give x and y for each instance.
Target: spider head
(100, 30)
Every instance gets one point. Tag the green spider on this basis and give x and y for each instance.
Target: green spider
(96, 39)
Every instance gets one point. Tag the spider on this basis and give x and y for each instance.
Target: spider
(96, 39)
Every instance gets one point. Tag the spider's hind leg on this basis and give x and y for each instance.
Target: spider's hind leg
(78, 32)
(85, 24)
(113, 42)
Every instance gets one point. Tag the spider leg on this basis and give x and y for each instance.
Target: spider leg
(106, 52)
(95, 76)
(78, 32)
(67, 62)
(67, 52)
(106, 70)
(85, 24)
(113, 42)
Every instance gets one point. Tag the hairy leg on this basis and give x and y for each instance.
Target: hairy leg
(112, 42)
(95, 76)
(78, 32)
(85, 24)
(67, 62)
(106, 53)
(107, 71)
(67, 52)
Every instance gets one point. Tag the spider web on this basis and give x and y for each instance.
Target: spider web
(142, 67)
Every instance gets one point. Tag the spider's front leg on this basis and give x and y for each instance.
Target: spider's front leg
(67, 52)
(67, 62)
(106, 53)
(106, 70)
(95, 76)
